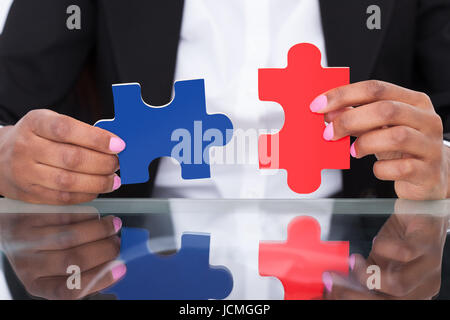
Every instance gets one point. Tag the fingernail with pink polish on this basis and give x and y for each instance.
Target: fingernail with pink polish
(353, 150)
(319, 103)
(117, 183)
(116, 145)
(117, 224)
(327, 281)
(118, 271)
(351, 262)
(328, 134)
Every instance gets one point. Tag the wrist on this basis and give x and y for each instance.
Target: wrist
(3, 142)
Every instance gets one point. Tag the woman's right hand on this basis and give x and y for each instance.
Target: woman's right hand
(49, 158)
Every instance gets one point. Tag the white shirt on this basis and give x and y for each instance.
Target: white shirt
(226, 42)
(4, 10)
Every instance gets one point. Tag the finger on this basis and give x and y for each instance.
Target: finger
(398, 249)
(401, 280)
(85, 257)
(24, 208)
(41, 218)
(91, 281)
(393, 278)
(36, 194)
(411, 170)
(426, 288)
(342, 288)
(429, 288)
(372, 277)
(366, 92)
(55, 219)
(395, 139)
(406, 237)
(60, 128)
(68, 181)
(330, 116)
(74, 158)
(74, 235)
(376, 115)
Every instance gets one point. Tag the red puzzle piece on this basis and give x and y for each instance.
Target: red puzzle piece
(300, 147)
(300, 261)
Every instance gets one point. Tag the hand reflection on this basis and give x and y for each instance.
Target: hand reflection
(40, 248)
(408, 250)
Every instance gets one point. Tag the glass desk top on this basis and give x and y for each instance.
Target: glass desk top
(227, 249)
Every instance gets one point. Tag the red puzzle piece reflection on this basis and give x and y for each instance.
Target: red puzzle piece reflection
(300, 261)
(299, 147)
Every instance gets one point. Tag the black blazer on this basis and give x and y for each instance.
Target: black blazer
(45, 65)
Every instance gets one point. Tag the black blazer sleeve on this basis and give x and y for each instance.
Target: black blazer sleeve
(40, 58)
(432, 65)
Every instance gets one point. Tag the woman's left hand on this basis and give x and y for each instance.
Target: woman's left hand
(408, 253)
(397, 125)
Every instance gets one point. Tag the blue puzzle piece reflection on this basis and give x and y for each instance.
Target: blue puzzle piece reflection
(186, 275)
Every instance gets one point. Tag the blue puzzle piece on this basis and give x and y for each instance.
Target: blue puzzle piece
(182, 130)
(186, 275)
